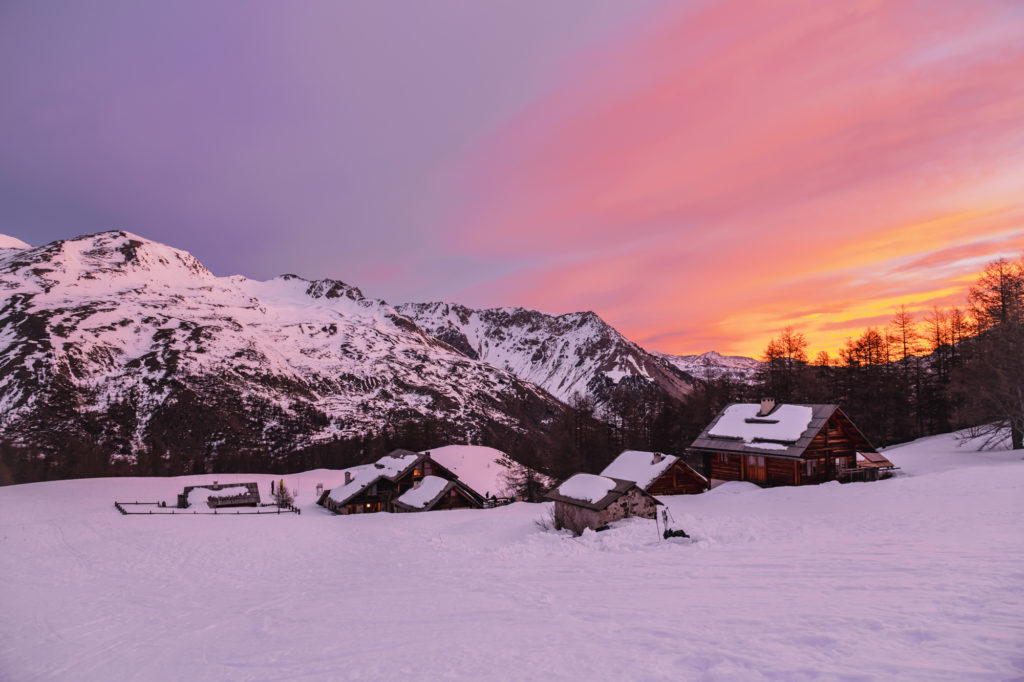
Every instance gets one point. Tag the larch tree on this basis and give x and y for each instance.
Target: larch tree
(991, 381)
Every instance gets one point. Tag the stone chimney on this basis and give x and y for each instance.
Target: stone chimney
(348, 477)
(767, 405)
(657, 458)
(216, 486)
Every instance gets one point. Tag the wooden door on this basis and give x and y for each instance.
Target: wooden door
(756, 469)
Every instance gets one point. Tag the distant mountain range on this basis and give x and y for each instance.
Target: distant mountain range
(136, 346)
(712, 365)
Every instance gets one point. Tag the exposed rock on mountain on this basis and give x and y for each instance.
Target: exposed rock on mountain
(567, 355)
(137, 347)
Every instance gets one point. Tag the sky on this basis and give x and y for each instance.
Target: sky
(700, 174)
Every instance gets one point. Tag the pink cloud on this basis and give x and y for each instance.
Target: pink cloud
(716, 169)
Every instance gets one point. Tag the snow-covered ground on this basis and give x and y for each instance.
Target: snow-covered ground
(917, 577)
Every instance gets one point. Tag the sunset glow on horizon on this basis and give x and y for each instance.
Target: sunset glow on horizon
(700, 174)
(725, 172)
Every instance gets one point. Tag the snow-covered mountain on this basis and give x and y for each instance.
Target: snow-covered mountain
(713, 365)
(137, 346)
(577, 353)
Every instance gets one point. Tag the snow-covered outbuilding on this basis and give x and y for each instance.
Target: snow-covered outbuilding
(591, 501)
(782, 444)
(656, 473)
(217, 495)
(395, 482)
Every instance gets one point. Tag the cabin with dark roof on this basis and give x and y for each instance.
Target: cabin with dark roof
(591, 501)
(656, 473)
(783, 444)
(382, 485)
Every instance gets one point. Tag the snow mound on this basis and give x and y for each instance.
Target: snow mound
(481, 468)
(787, 423)
(912, 578)
(639, 467)
(587, 488)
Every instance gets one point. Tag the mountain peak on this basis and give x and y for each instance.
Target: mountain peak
(110, 257)
(9, 242)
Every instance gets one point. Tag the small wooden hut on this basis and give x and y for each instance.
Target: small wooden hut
(783, 444)
(656, 473)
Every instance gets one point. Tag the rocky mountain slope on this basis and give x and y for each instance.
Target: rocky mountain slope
(136, 346)
(567, 355)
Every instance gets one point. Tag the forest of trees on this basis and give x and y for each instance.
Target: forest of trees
(948, 369)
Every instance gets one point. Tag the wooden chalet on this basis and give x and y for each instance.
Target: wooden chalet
(380, 485)
(217, 495)
(595, 501)
(784, 444)
(656, 473)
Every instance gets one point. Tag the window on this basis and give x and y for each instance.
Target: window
(723, 458)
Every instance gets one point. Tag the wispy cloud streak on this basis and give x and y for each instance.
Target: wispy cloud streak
(731, 169)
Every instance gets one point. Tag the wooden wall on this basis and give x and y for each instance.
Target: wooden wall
(678, 480)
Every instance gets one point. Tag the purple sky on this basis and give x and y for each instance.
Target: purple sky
(701, 174)
(317, 138)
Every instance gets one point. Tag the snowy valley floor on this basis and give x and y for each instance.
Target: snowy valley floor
(917, 577)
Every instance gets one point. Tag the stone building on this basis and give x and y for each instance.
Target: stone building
(591, 501)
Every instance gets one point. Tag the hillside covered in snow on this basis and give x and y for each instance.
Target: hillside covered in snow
(134, 347)
(714, 365)
(913, 578)
(577, 354)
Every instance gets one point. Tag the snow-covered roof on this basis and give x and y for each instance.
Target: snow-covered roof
(201, 495)
(587, 488)
(395, 463)
(786, 431)
(642, 467)
(362, 477)
(784, 424)
(390, 466)
(591, 491)
(429, 489)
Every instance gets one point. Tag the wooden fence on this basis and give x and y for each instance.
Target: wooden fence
(159, 509)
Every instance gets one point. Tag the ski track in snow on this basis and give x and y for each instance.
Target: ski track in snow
(917, 577)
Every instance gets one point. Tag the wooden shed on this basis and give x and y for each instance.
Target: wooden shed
(783, 444)
(656, 473)
(216, 495)
(591, 501)
(379, 485)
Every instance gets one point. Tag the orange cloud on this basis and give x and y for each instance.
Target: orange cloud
(724, 172)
